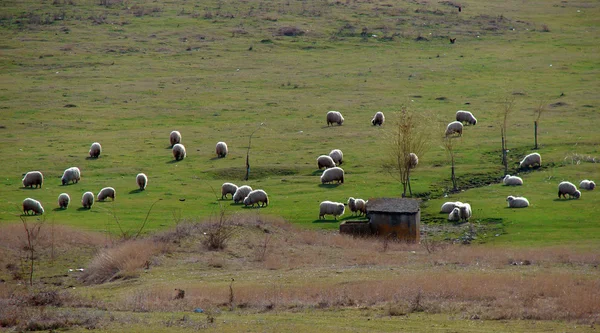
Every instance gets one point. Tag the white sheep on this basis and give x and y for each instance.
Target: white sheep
(175, 138)
(337, 156)
(517, 202)
(221, 149)
(454, 127)
(569, 188)
(107, 192)
(325, 161)
(413, 160)
(454, 215)
(142, 180)
(333, 174)
(331, 208)
(512, 180)
(178, 151)
(241, 193)
(33, 178)
(95, 150)
(63, 200)
(352, 205)
(361, 206)
(531, 160)
(378, 119)
(334, 117)
(465, 212)
(32, 205)
(466, 117)
(447, 207)
(228, 188)
(258, 197)
(587, 185)
(87, 200)
(72, 174)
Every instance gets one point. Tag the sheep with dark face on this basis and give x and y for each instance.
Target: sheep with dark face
(466, 117)
(378, 119)
(569, 188)
(334, 117)
(587, 185)
(330, 208)
(32, 205)
(221, 149)
(95, 150)
(174, 138)
(33, 178)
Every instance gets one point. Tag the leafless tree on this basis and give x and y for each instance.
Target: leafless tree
(449, 145)
(506, 110)
(248, 151)
(538, 113)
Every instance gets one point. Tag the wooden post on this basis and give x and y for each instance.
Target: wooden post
(535, 126)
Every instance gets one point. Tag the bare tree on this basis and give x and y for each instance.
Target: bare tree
(538, 113)
(248, 152)
(32, 233)
(507, 108)
(449, 145)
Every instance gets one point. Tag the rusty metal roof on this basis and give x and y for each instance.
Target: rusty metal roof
(393, 205)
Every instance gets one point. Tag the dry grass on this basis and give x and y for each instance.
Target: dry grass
(13, 237)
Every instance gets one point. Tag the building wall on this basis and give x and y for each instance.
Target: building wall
(405, 227)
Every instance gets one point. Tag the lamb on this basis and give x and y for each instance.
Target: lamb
(63, 200)
(512, 180)
(107, 192)
(378, 119)
(454, 127)
(466, 117)
(178, 151)
(331, 208)
(531, 160)
(175, 138)
(569, 188)
(221, 149)
(517, 202)
(332, 174)
(241, 193)
(142, 180)
(337, 156)
(325, 161)
(87, 200)
(587, 185)
(95, 150)
(447, 207)
(72, 174)
(33, 178)
(352, 205)
(334, 117)
(258, 197)
(33, 206)
(228, 188)
(361, 206)
(414, 160)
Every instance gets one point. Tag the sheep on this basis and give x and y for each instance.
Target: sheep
(465, 212)
(72, 174)
(333, 174)
(337, 156)
(33, 178)
(512, 180)
(454, 127)
(413, 160)
(228, 188)
(466, 117)
(107, 192)
(178, 151)
(352, 205)
(63, 200)
(87, 200)
(32, 205)
(454, 215)
(378, 119)
(569, 188)
(447, 207)
(361, 206)
(334, 117)
(331, 208)
(258, 197)
(587, 185)
(531, 160)
(517, 202)
(221, 149)
(142, 180)
(325, 161)
(241, 193)
(95, 150)
(175, 138)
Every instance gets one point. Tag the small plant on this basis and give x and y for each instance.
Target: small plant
(219, 232)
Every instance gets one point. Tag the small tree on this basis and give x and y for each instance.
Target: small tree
(449, 145)
(32, 232)
(248, 152)
(538, 113)
(508, 105)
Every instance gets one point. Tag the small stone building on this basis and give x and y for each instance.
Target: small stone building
(396, 217)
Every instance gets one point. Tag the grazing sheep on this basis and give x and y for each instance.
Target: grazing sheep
(87, 200)
(454, 127)
(331, 208)
(512, 180)
(32, 205)
(337, 156)
(414, 160)
(378, 119)
(228, 188)
(352, 205)
(241, 193)
(175, 138)
(72, 174)
(221, 149)
(447, 207)
(361, 206)
(178, 151)
(141, 181)
(334, 117)
(517, 202)
(587, 185)
(569, 188)
(33, 178)
(332, 174)
(531, 160)
(63, 200)
(258, 197)
(107, 192)
(454, 215)
(466, 117)
(95, 150)
(325, 161)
